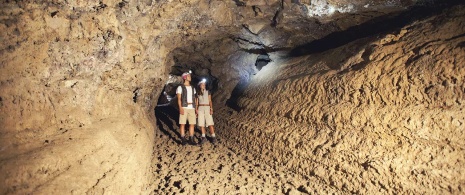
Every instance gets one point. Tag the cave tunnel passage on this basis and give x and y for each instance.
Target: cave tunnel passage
(302, 104)
(214, 164)
(240, 129)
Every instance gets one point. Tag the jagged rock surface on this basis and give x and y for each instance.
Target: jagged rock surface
(378, 115)
(79, 82)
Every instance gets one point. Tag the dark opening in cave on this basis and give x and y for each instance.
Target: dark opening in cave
(262, 60)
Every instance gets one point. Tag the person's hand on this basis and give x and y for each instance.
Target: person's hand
(196, 111)
(211, 111)
(181, 111)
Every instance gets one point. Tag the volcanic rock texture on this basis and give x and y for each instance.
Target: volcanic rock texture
(375, 108)
(72, 113)
(378, 115)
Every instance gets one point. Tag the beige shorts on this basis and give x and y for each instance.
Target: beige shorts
(205, 118)
(189, 115)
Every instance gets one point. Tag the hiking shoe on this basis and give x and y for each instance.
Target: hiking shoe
(191, 140)
(183, 141)
(213, 140)
(202, 140)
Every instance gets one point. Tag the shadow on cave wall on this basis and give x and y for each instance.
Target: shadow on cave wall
(167, 117)
(237, 92)
(372, 27)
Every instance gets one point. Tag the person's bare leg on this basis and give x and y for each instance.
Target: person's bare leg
(182, 126)
(183, 135)
(191, 134)
(212, 130)
(203, 138)
(191, 130)
(203, 130)
(212, 133)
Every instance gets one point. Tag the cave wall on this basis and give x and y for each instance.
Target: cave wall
(79, 80)
(382, 114)
(76, 82)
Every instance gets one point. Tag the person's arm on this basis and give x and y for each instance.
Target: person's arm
(196, 105)
(181, 110)
(210, 102)
(178, 93)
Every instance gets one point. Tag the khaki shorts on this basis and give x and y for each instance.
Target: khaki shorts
(205, 118)
(189, 115)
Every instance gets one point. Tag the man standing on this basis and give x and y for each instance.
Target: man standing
(186, 96)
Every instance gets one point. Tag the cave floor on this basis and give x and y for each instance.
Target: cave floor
(216, 169)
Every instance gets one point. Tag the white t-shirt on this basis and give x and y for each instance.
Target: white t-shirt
(189, 95)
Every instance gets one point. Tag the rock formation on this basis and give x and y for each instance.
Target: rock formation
(320, 96)
(383, 115)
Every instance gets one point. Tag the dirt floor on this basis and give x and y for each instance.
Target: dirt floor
(217, 168)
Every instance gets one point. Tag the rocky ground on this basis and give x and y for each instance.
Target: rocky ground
(218, 169)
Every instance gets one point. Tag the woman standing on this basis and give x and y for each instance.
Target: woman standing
(205, 110)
